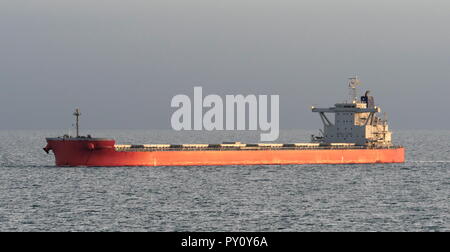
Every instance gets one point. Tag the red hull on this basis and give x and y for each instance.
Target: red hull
(101, 152)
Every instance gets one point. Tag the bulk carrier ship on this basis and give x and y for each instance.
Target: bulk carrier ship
(357, 135)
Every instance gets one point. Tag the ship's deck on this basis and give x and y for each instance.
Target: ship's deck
(244, 147)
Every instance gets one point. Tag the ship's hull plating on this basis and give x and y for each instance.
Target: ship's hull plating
(102, 153)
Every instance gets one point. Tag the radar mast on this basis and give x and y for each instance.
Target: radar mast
(353, 82)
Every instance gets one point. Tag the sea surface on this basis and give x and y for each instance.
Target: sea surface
(37, 196)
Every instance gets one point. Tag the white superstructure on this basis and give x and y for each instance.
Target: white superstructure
(354, 121)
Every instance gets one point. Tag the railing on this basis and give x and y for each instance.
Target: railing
(150, 149)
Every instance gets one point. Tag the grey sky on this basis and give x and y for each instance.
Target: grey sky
(121, 62)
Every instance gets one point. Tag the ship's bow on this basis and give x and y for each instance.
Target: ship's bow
(76, 151)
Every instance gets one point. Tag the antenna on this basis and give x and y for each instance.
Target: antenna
(77, 115)
(353, 82)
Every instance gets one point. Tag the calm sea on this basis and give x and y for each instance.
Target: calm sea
(37, 196)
